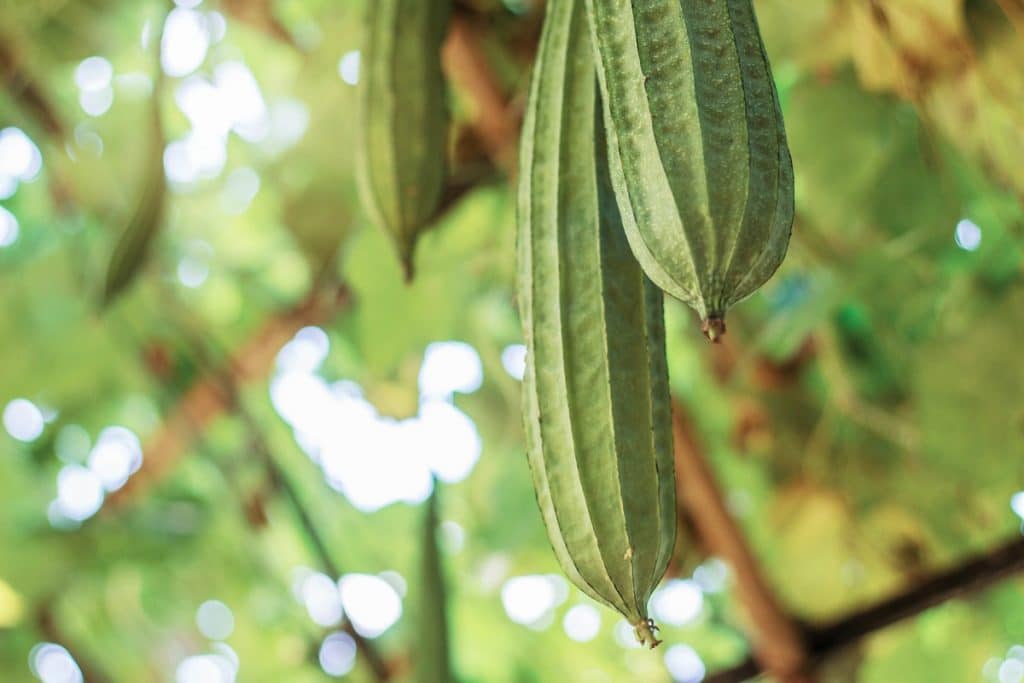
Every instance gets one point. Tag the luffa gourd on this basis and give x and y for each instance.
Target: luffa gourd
(403, 118)
(596, 404)
(698, 152)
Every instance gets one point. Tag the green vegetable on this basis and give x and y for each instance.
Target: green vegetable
(596, 401)
(133, 246)
(697, 147)
(403, 118)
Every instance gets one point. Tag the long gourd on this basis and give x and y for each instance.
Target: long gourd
(596, 403)
(403, 118)
(133, 247)
(433, 662)
(697, 147)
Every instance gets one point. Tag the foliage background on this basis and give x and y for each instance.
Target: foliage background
(865, 417)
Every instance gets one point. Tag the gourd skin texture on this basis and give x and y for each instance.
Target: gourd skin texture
(697, 147)
(596, 404)
(403, 118)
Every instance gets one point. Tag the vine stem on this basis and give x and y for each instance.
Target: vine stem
(777, 639)
(972, 575)
(375, 662)
(228, 384)
(783, 646)
(205, 399)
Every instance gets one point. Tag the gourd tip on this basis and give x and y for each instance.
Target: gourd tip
(714, 328)
(408, 272)
(645, 630)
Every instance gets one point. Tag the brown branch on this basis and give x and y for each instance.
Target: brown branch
(1014, 11)
(973, 575)
(206, 399)
(227, 385)
(777, 640)
(259, 15)
(381, 670)
(466, 65)
(49, 628)
(458, 188)
(25, 90)
(29, 95)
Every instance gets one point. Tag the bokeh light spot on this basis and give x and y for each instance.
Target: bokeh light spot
(94, 73)
(216, 26)
(8, 228)
(528, 599)
(513, 358)
(8, 186)
(20, 158)
(678, 602)
(348, 67)
(396, 581)
(1017, 504)
(582, 623)
(205, 669)
(322, 600)
(115, 457)
(370, 602)
(240, 189)
(967, 235)
(185, 42)
(684, 664)
(448, 367)
(337, 654)
(625, 635)
(1011, 671)
(306, 351)
(23, 420)
(192, 272)
(448, 440)
(52, 663)
(215, 620)
(79, 492)
(73, 444)
(712, 575)
(453, 536)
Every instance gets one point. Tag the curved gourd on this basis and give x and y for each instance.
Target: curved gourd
(596, 402)
(698, 152)
(403, 118)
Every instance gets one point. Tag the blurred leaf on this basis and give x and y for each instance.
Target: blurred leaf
(901, 45)
(133, 247)
(319, 221)
(970, 400)
(979, 107)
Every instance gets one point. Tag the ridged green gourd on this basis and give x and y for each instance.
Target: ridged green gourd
(697, 147)
(595, 392)
(403, 118)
